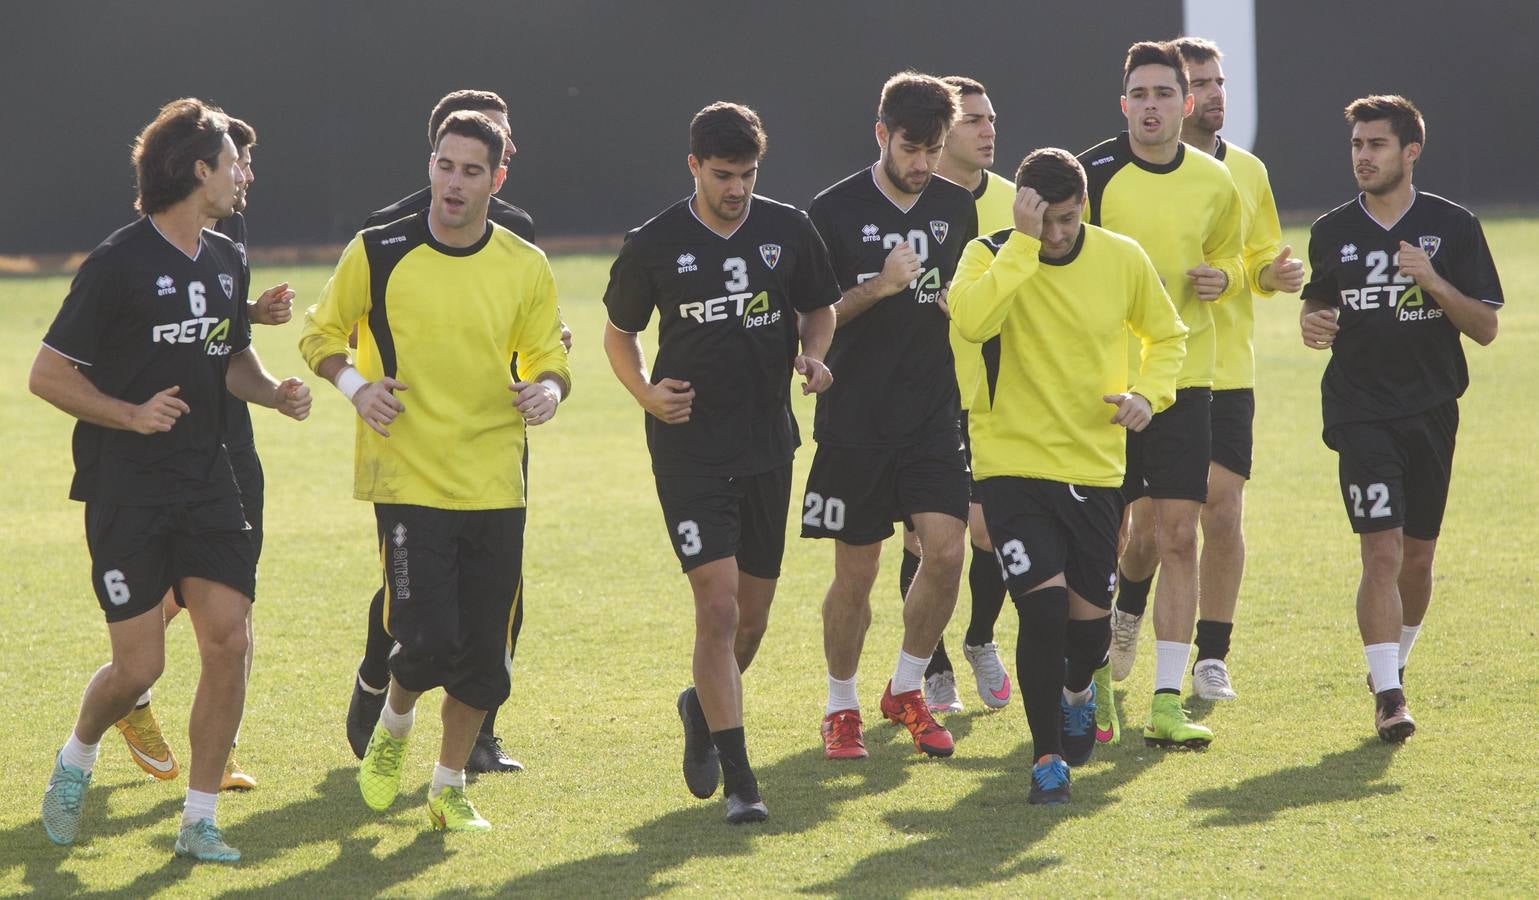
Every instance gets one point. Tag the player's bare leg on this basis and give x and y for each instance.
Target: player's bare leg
(218, 614)
(1221, 570)
(754, 596)
(717, 675)
(846, 617)
(138, 658)
(928, 608)
(1175, 610)
(1379, 618)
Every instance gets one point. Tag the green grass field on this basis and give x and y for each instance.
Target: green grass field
(1297, 795)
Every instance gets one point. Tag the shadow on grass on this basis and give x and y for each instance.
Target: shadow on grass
(1341, 777)
(27, 845)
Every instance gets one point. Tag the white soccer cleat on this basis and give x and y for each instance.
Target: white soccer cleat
(1210, 680)
(993, 681)
(940, 693)
(1124, 643)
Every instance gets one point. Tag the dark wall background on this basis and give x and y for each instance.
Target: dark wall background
(602, 91)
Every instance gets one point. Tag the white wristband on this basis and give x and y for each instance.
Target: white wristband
(349, 381)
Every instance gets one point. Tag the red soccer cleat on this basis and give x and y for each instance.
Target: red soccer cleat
(909, 710)
(841, 735)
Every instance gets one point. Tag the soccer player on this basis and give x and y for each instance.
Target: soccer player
(1182, 207)
(1397, 275)
(965, 159)
(888, 432)
(140, 729)
(448, 501)
(373, 671)
(150, 337)
(1050, 298)
(734, 278)
(1269, 268)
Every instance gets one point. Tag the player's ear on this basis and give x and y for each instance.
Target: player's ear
(694, 165)
(881, 134)
(1124, 104)
(1412, 152)
(499, 175)
(1189, 105)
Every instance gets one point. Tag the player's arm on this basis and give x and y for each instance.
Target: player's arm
(817, 332)
(1221, 274)
(1269, 266)
(900, 268)
(544, 377)
(985, 282)
(1161, 333)
(343, 303)
(1474, 317)
(1317, 312)
(274, 307)
(247, 379)
(59, 381)
(669, 401)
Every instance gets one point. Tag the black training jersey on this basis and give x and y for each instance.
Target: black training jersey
(727, 308)
(894, 378)
(505, 214)
(1396, 354)
(140, 317)
(237, 418)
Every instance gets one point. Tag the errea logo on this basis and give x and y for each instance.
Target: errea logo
(165, 286)
(870, 234)
(1103, 161)
(1348, 253)
(686, 263)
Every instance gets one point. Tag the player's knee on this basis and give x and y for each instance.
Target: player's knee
(1382, 555)
(1416, 558)
(856, 574)
(944, 560)
(1221, 517)
(716, 617)
(1176, 539)
(139, 674)
(226, 646)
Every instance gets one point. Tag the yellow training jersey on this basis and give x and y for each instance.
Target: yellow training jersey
(446, 322)
(1053, 335)
(1234, 320)
(1183, 213)
(995, 197)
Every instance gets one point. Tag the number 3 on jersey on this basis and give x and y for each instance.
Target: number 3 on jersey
(689, 530)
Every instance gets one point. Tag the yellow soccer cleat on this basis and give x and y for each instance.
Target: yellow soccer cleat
(234, 778)
(450, 810)
(147, 744)
(379, 777)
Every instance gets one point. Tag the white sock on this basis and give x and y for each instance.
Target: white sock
(1383, 665)
(78, 754)
(1170, 664)
(1407, 641)
(368, 688)
(199, 805)
(144, 699)
(841, 695)
(398, 724)
(909, 676)
(1078, 698)
(446, 778)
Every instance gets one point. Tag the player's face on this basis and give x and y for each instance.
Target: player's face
(462, 180)
(1060, 227)
(244, 162)
(1154, 105)
(909, 164)
(500, 119)
(724, 185)
(224, 183)
(1208, 96)
(971, 141)
(1379, 161)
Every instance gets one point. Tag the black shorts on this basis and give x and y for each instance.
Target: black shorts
(1395, 473)
(967, 454)
(1041, 528)
(1169, 459)
(252, 484)
(139, 552)
(452, 587)
(1234, 418)
(711, 517)
(854, 494)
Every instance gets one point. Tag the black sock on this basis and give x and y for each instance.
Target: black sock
(939, 661)
(375, 667)
(1212, 639)
(736, 775)
(489, 724)
(1044, 616)
(1085, 642)
(987, 586)
(906, 573)
(1133, 596)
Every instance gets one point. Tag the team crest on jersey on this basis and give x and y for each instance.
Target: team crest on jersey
(242, 248)
(1348, 253)
(228, 284)
(940, 230)
(770, 253)
(1429, 244)
(165, 285)
(686, 263)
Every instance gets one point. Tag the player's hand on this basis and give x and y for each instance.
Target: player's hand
(1028, 210)
(669, 401)
(1210, 282)
(274, 307)
(940, 301)
(292, 398)
(902, 266)
(158, 413)
(1319, 328)
(566, 337)
(818, 377)
(377, 404)
(1415, 263)
(1286, 272)
(1133, 411)
(536, 401)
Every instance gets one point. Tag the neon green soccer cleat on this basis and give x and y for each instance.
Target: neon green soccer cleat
(379, 777)
(1169, 727)
(204, 842)
(62, 801)
(451, 810)
(1108, 729)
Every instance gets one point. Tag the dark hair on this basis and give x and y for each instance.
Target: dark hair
(1404, 118)
(1053, 173)
(1155, 53)
(461, 101)
(166, 152)
(477, 126)
(966, 87)
(1195, 50)
(921, 107)
(729, 131)
(242, 134)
